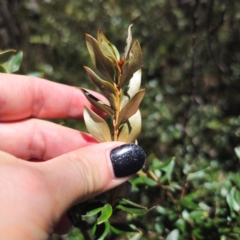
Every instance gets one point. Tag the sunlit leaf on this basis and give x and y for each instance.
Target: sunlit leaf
(106, 46)
(131, 107)
(116, 52)
(133, 64)
(237, 151)
(13, 64)
(197, 214)
(105, 214)
(105, 87)
(132, 89)
(131, 129)
(103, 63)
(96, 126)
(97, 103)
(196, 175)
(128, 41)
(173, 235)
(93, 212)
(233, 199)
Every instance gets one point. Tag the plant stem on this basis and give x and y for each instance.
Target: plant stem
(117, 110)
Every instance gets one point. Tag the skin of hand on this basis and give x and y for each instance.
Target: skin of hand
(46, 168)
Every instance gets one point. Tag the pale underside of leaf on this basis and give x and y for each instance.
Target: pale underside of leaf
(116, 52)
(133, 64)
(132, 89)
(105, 87)
(96, 126)
(131, 129)
(131, 107)
(128, 41)
(97, 103)
(106, 46)
(103, 63)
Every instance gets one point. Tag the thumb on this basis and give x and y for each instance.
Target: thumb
(91, 170)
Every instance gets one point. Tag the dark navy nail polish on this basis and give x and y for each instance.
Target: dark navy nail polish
(127, 159)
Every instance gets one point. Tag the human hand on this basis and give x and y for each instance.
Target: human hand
(36, 193)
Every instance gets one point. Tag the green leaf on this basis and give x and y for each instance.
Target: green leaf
(97, 103)
(106, 213)
(94, 228)
(181, 224)
(133, 210)
(93, 212)
(116, 52)
(36, 74)
(2, 69)
(233, 199)
(168, 171)
(197, 214)
(13, 64)
(105, 87)
(103, 63)
(120, 228)
(130, 203)
(132, 89)
(188, 203)
(96, 126)
(237, 151)
(128, 41)
(137, 181)
(157, 165)
(131, 107)
(106, 46)
(196, 175)
(151, 159)
(5, 55)
(131, 129)
(102, 230)
(133, 64)
(132, 207)
(149, 181)
(173, 235)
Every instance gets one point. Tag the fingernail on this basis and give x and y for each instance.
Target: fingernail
(127, 159)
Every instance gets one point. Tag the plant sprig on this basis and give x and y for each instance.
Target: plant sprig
(120, 84)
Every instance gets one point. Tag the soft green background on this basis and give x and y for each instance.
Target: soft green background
(191, 72)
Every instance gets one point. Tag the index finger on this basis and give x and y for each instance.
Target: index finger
(26, 96)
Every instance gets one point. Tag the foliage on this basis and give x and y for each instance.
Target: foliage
(9, 62)
(124, 100)
(190, 110)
